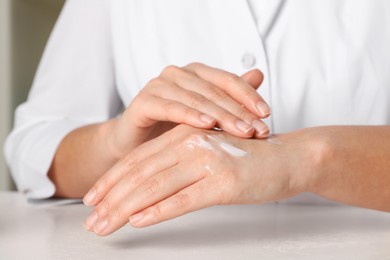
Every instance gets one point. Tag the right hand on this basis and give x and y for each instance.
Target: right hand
(196, 95)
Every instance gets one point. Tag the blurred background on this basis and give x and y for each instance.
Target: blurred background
(25, 26)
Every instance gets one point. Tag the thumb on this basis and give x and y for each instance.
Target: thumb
(253, 77)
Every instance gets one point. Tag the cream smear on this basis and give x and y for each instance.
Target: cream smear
(212, 142)
(273, 139)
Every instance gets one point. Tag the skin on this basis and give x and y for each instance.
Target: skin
(196, 95)
(166, 178)
(142, 170)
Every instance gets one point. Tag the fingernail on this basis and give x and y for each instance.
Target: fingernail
(207, 119)
(243, 127)
(136, 218)
(90, 197)
(261, 128)
(90, 221)
(100, 225)
(263, 109)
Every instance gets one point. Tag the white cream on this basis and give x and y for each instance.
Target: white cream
(272, 139)
(215, 142)
(230, 149)
(198, 141)
(208, 168)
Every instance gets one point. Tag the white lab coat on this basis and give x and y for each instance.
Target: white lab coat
(325, 63)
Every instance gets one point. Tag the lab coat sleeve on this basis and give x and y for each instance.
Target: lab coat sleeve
(74, 86)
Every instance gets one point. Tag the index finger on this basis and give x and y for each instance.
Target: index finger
(234, 85)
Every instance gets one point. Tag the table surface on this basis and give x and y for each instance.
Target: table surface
(273, 231)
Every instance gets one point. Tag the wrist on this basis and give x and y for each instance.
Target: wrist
(316, 157)
(108, 134)
(306, 155)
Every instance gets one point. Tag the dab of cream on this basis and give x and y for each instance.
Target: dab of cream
(231, 149)
(208, 168)
(198, 141)
(272, 139)
(214, 143)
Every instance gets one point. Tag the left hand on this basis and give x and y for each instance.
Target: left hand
(187, 169)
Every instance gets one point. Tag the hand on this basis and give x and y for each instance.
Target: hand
(187, 169)
(196, 95)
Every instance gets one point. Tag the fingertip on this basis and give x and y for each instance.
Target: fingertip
(253, 77)
(263, 109)
(245, 129)
(89, 222)
(90, 197)
(136, 218)
(262, 130)
(102, 228)
(262, 136)
(86, 227)
(142, 219)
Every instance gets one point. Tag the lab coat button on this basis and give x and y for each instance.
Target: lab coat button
(248, 61)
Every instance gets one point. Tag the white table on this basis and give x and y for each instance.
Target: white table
(275, 231)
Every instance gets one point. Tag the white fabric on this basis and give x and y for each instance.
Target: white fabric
(325, 63)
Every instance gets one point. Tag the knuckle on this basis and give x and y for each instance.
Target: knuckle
(103, 208)
(182, 200)
(244, 114)
(170, 107)
(157, 211)
(139, 103)
(153, 83)
(217, 95)
(156, 81)
(183, 115)
(170, 71)
(135, 177)
(232, 80)
(197, 100)
(194, 64)
(151, 188)
(139, 99)
(188, 113)
(129, 160)
(232, 77)
(118, 213)
(103, 184)
(226, 117)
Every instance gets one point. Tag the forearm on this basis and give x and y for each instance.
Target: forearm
(351, 165)
(81, 158)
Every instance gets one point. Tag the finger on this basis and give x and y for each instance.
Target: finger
(201, 92)
(262, 130)
(210, 99)
(135, 176)
(159, 109)
(125, 165)
(235, 86)
(253, 77)
(191, 85)
(225, 119)
(153, 190)
(197, 196)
